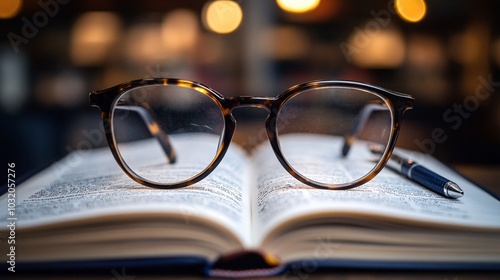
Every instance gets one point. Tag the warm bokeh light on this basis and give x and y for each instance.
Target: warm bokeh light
(93, 37)
(425, 51)
(179, 32)
(222, 16)
(144, 44)
(325, 11)
(9, 8)
(286, 43)
(385, 49)
(298, 6)
(411, 10)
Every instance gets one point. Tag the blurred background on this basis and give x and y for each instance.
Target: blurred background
(445, 53)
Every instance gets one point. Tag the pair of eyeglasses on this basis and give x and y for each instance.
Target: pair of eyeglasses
(172, 133)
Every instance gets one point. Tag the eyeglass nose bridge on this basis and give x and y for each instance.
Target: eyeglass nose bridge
(270, 104)
(250, 101)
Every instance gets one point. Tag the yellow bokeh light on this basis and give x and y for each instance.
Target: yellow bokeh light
(93, 37)
(298, 6)
(9, 8)
(179, 32)
(222, 16)
(411, 10)
(382, 50)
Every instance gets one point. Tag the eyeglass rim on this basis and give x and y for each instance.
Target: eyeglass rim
(106, 99)
(395, 121)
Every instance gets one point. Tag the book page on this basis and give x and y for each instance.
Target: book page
(89, 184)
(281, 197)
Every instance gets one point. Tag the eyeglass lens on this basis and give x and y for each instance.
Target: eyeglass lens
(313, 125)
(191, 122)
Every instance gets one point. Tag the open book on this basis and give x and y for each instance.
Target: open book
(85, 208)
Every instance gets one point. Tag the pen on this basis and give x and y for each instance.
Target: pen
(422, 175)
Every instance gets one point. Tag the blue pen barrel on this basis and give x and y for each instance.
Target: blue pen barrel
(424, 176)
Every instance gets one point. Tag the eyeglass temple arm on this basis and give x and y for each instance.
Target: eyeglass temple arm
(149, 118)
(359, 124)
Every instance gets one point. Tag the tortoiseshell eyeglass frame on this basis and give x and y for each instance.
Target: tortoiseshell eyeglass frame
(397, 104)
